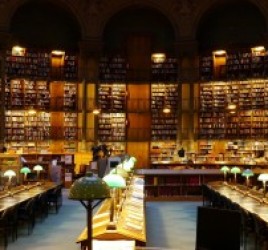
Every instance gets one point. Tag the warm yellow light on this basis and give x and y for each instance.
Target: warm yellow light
(258, 49)
(158, 57)
(58, 53)
(166, 110)
(96, 111)
(231, 106)
(219, 53)
(18, 51)
(31, 111)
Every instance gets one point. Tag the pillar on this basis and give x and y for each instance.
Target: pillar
(90, 51)
(187, 51)
(5, 41)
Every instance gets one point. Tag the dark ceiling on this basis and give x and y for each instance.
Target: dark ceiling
(43, 24)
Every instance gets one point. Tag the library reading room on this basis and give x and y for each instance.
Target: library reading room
(134, 125)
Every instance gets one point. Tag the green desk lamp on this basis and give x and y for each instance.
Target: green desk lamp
(115, 182)
(235, 171)
(25, 171)
(120, 171)
(86, 189)
(225, 169)
(247, 173)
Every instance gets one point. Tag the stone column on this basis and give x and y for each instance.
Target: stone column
(90, 50)
(187, 51)
(5, 41)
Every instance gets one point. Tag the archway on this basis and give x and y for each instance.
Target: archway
(44, 24)
(231, 25)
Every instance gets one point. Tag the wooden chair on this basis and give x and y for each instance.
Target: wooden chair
(54, 198)
(26, 214)
(9, 224)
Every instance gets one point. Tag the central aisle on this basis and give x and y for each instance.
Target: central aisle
(170, 225)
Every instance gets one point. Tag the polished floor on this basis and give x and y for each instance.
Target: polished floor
(170, 225)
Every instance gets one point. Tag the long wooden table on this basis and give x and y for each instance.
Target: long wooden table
(249, 200)
(131, 222)
(17, 196)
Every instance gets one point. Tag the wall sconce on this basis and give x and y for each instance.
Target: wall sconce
(58, 52)
(158, 57)
(31, 111)
(219, 53)
(96, 111)
(18, 51)
(258, 50)
(166, 109)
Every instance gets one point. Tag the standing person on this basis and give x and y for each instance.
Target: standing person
(181, 152)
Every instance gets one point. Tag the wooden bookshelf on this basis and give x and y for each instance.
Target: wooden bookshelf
(162, 151)
(113, 68)
(164, 125)
(249, 119)
(112, 127)
(112, 97)
(172, 184)
(166, 71)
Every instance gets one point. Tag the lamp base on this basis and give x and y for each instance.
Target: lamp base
(111, 226)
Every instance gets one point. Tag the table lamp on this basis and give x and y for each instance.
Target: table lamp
(115, 182)
(235, 171)
(25, 171)
(128, 165)
(9, 173)
(264, 179)
(38, 169)
(225, 169)
(120, 171)
(247, 173)
(86, 189)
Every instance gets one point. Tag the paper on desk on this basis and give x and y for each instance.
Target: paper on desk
(113, 244)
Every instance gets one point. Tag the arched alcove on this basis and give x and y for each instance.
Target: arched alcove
(231, 25)
(139, 20)
(45, 24)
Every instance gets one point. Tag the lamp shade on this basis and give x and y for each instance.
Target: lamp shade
(235, 170)
(10, 173)
(134, 159)
(115, 181)
(38, 168)
(128, 165)
(120, 171)
(25, 170)
(89, 187)
(225, 169)
(247, 173)
(263, 177)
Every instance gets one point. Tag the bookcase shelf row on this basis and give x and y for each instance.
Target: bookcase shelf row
(116, 69)
(238, 65)
(249, 119)
(21, 93)
(41, 64)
